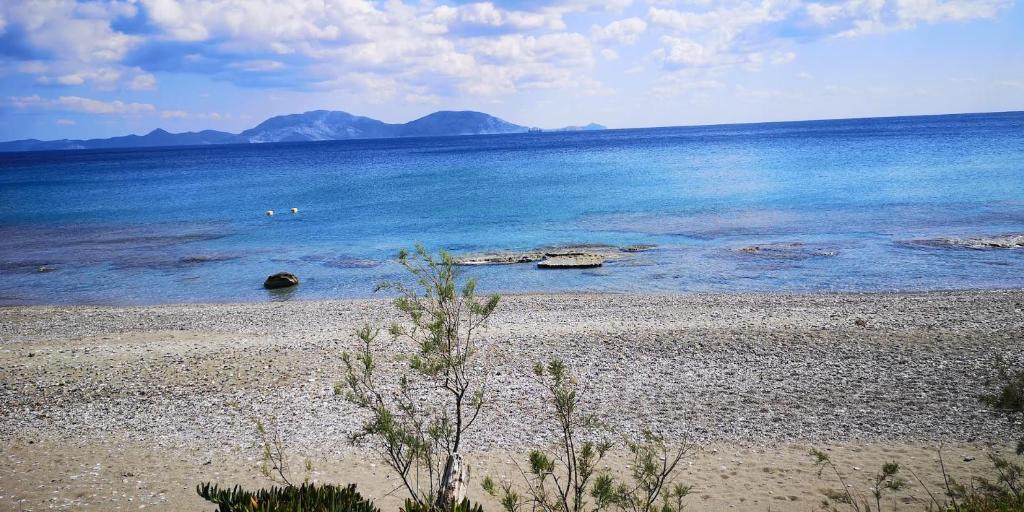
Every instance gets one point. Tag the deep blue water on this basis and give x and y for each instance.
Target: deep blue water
(188, 224)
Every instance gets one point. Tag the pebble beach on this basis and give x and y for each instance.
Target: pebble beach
(172, 390)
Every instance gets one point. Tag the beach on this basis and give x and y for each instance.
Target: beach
(107, 408)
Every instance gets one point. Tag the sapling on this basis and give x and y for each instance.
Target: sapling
(568, 478)
(421, 440)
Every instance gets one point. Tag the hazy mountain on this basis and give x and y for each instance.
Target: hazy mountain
(308, 126)
(584, 128)
(154, 138)
(447, 122)
(318, 125)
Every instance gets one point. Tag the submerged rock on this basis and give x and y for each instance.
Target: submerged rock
(507, 258)
(790, 250)
(207, 258)
(280, 280)
(1011, 241)
(340, 261)
(638, 248)
(602, 252)
(572, 261)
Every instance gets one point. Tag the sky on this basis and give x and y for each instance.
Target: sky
(97, 69)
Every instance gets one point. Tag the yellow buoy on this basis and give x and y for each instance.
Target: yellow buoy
(270, 213)
(295, 210)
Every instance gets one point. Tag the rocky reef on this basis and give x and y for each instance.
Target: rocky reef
(556, 257)
(1010, 241)
(788, 250)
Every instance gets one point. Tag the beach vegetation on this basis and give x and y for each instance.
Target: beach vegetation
(1009, 398)
(462, 506)
(419, 421)
(288, 498)
(1002, 492)
(884, 484)
(569, 477)
(274, 464)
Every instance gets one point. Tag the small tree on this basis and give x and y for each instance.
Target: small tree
(563, 481)
(274, 465)
(421, 439)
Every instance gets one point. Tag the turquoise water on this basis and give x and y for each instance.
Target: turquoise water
(188, 224)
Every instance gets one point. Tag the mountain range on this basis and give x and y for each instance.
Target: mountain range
(315, 125)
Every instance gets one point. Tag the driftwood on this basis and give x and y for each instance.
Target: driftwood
(453, 483)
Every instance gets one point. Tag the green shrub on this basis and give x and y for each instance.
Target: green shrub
(304, 498)
(1009, 399)
(566, 479)
(464, 506)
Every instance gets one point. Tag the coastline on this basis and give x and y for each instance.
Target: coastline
(175, 386)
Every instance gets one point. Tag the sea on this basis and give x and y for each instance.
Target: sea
(859, 205)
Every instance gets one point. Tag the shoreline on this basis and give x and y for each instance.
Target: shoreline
(535, 293)
(743, 372)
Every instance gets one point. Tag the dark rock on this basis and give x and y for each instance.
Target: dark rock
(280, 280)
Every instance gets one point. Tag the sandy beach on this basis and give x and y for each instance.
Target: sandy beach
(121, 408)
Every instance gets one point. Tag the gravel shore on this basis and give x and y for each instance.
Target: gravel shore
(707, 367)
(742, 369)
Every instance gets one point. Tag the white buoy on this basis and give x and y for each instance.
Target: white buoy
(295, 210)
(270, 213)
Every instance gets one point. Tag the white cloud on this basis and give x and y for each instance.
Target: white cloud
(65, 122)
(258, 66)
(77, 37)
(715, 37)
(181, 114)
(622, 31)
(684, 82)
(487, 14)
(728, 20)
(679, 51)
(853, 18)
(420, 51)
(80, 45)
(782, 58)
(743, 32)
(143, 82)
(80, 104)
(938, 11)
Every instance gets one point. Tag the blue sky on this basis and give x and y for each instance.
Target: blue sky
(96, 69)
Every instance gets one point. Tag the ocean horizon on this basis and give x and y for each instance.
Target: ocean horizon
(870, 204)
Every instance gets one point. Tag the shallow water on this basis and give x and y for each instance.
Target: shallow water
(188, 224)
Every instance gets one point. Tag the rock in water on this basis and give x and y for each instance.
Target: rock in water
(638, 248)
(1010, 241)
(280, 280)
(572, 261)
(504, 258)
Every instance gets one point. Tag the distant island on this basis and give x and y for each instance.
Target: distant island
(317, 125)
